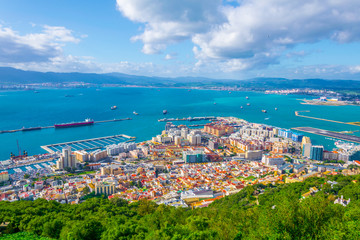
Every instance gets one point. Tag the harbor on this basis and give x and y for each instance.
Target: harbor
(63, 125)
(88, 144)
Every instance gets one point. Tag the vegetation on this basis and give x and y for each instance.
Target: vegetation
(23, 236)
(257, 212)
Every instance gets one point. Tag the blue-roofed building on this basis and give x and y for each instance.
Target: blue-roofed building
(297, 137)
(285, 133)
(299, 167)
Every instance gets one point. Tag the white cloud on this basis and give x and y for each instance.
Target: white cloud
(257, 27)
(170, 56)
(242, 33)
(34, 47)
(170, 21)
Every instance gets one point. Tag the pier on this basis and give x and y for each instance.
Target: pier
(89, 144)
(327, 133)
(187, 119)
(39, 128)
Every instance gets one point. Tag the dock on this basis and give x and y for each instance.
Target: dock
(187, 119)
(328, 133)
(39, 128)
(89, 144)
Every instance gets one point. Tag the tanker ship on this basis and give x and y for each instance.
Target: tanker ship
(87, 122)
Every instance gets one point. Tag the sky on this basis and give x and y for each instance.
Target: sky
(226, 39)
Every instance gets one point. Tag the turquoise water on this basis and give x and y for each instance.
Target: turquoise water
(28, 109)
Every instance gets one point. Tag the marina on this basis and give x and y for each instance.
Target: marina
(88, 144)
(327, 133)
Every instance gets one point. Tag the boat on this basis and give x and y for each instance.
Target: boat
(214, 103)
(247, 97)
(135, 113)
(248, 104)
(275, 109)
(87, 122)
(164, 111)
(241, 107)
(30, 129)
(114, 107)
(264, 111)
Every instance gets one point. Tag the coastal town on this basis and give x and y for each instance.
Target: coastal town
(181, 166)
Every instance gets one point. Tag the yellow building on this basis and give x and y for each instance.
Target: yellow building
(111, 170)
(292, 180)
(104, 188)
(81, 156)
(305, 140)
(4, 176)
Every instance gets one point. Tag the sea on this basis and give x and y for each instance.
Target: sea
(47, 107)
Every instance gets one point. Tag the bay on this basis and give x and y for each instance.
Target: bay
(28, 109)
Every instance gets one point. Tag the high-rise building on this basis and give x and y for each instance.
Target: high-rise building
(67, 159)
(306, 148)
(213, 145)
(316, 153)
(198, 139)
(184, 132)
(177, 140)
(305, 140)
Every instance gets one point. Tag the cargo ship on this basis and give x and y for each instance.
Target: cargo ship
(30, 129)
(87, 122)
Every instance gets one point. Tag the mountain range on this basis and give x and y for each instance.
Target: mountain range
(12, 76)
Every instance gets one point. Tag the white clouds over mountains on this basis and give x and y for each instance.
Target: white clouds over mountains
(34, 47)
(246, 35)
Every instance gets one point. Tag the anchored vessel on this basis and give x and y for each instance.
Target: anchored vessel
(87, 122)
(30, 129)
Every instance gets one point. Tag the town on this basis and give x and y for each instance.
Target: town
(182, 167)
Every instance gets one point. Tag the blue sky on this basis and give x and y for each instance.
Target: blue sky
(211, 38)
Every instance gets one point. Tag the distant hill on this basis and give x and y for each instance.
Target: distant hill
(9, 76)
